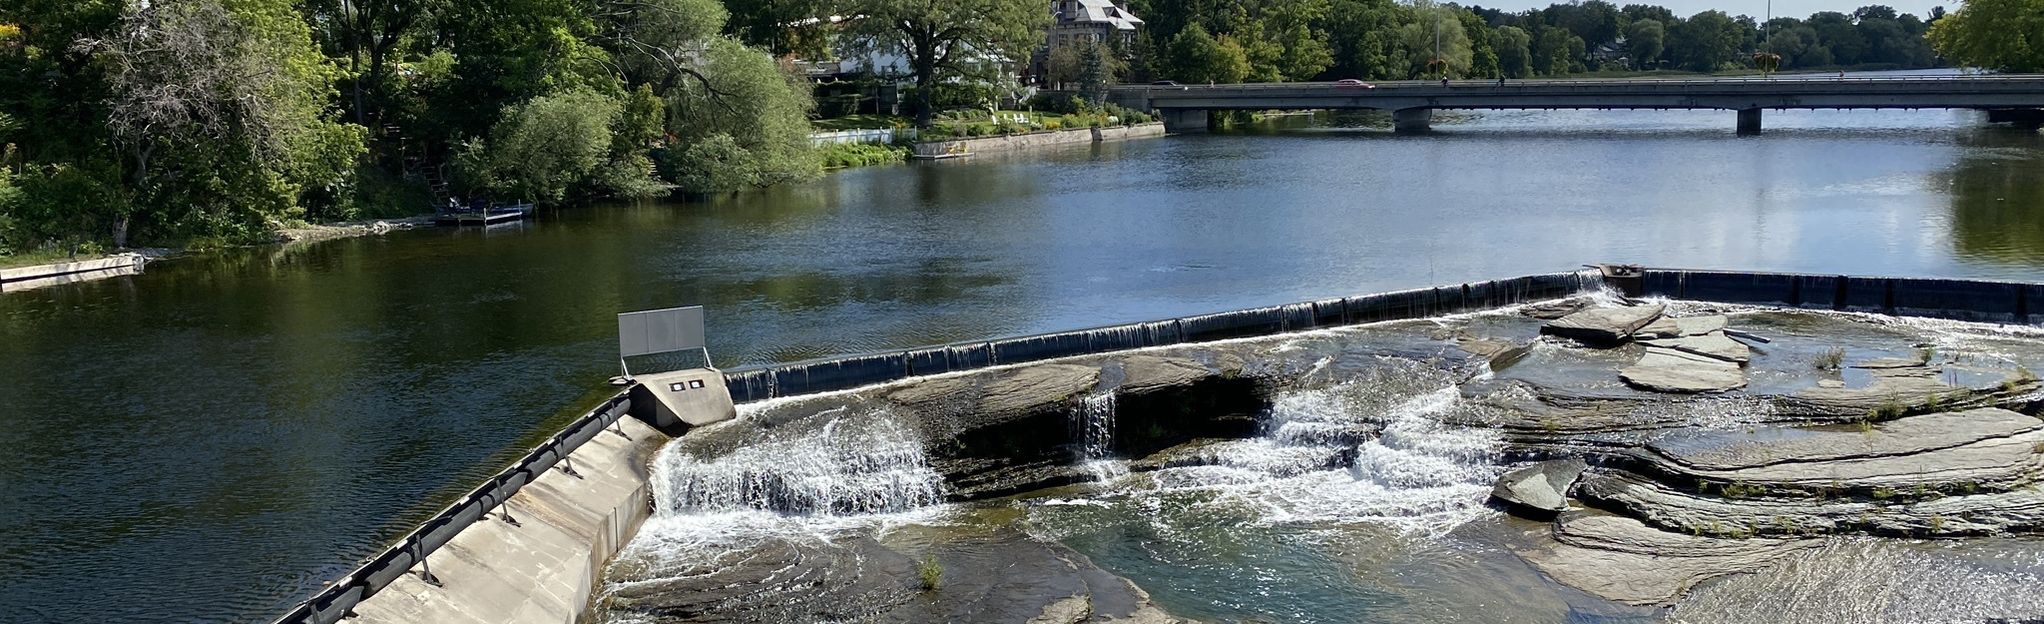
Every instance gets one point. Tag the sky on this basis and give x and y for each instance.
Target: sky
(1755, 8)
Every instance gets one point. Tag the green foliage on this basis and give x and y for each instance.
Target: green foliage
(542, 147)
(932, 33)
(725, 146)
(1514, 50)
(1199, 57)
(930, 572)
(841, 155)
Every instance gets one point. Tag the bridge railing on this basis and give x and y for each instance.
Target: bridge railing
(1399, 84)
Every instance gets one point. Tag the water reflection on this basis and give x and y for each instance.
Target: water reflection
(1997, 198)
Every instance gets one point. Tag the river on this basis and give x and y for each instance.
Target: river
(215, 438)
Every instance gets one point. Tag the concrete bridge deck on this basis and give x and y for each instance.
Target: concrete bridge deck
(2007, 98)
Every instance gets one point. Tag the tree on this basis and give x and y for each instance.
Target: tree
(1515, 54)
(1362, 39)
(367, 34)
(1551, 51)
(947, 39)
(1199, 57)
(235, 98)
(783, 27)
(544, 146)
(1643, 42)
(1435, 34)
(746, 126)
(1705, 41)
(1995, 35)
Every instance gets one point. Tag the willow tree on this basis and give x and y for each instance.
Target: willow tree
(945, 40)
(221, 115)
(1997, 35)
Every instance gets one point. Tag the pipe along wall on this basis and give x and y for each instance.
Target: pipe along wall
(603, 504)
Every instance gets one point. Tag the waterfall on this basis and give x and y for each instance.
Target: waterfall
(1093, 431)
(1369, 450)
(850, 465)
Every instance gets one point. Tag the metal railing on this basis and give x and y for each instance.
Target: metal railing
(1778, 79)
(338, 599)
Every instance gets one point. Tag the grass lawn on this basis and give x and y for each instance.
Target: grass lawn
(33, 258)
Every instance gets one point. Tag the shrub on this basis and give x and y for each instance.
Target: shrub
(1829, 360)
(1051, 102)
(840, 155)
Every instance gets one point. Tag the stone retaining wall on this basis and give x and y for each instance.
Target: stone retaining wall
(23, 278)
(963, 147)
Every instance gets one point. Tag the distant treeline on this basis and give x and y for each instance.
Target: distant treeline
(1277, 40)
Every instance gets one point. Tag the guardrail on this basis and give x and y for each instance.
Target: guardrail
(337, 601)
(1778, 79)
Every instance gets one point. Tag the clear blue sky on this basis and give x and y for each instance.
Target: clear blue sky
(1755, 8)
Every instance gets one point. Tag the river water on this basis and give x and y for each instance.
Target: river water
(214, 439)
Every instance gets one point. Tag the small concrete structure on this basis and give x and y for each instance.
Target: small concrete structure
(672, 397)
(1412, 119)
(24, 278)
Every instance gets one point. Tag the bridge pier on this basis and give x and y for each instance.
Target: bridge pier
(1184, 120)
(1408, 120)
(1749, 121)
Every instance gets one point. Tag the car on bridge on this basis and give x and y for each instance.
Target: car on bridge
(1351, 83)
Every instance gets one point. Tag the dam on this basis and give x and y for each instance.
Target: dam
(1364, 454)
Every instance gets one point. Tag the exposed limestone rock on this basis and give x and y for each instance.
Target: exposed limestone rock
(1623, 560)
(1551, 310)
(1745, 515)
(1498, 353)
(1668, 370)
(1713, 344)
(1773, 449)
(1604, 326)
(1030, 387)
(1673, 327)
(1146, 372)
(1541, 487)
(1903, 387)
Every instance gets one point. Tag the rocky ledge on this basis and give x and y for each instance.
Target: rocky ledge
(1695, 468)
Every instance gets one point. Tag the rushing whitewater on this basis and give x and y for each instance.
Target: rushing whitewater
(851, 465)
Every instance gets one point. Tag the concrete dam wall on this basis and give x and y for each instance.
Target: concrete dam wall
(579, 497)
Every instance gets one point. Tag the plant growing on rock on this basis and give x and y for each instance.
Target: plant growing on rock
(1884, 493)
(1937, 523)
(1830, 360)
(930, 572)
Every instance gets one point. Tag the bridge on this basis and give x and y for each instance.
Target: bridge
(2017, 99)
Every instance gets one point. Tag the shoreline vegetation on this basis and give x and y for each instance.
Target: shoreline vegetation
(202, 124)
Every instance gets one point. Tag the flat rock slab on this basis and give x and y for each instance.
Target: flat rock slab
(1775, 445)
(1624, 560)
(1684, 510)
(1540, 487)
(1663, 369)
(1604, 325)
(1713, 344)
(1148, 372)
(1671, 327)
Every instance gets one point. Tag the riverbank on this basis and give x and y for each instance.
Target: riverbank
(350, 229)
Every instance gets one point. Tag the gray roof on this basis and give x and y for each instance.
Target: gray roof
(1097, 11)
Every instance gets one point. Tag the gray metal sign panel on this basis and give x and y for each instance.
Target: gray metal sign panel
(660, 331)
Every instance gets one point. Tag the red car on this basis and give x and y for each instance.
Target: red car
(1353, 83)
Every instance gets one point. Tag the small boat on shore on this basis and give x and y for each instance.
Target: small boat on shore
(481, 213)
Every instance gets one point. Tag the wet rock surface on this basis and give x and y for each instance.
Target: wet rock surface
(1541, 487)
(1606, 325)
(1672, 370)
(1627, 561)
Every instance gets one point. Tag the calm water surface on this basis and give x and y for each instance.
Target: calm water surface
(214, 439)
